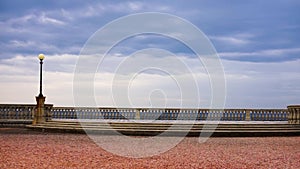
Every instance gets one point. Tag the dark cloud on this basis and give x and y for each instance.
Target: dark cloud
(249, 34)
(62, 27)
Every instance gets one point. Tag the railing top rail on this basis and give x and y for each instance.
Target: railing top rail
(134, 108)
(22, 105)
(15, 105)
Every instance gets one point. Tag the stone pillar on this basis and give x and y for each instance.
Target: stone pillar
(294, 114)
(248, 117)
(137, 114)
(39, 114)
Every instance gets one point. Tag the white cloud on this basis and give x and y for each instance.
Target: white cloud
(123, 7)
(135, 6)
(269, 85)
(30, 44)
(257, 85)
(48, 20)
(231, 40)
(262, 53)
(31, 18)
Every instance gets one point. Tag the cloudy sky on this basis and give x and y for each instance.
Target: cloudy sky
(257, 41)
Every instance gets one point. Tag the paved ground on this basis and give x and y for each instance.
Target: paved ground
(23, 148)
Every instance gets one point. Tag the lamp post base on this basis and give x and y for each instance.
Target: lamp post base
(39, 114)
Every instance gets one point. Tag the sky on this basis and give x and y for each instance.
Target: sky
(257, 42)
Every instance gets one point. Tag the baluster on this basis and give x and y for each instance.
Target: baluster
(186, 115)
(129, 114)
(120, 113)
(271, 116)
(233, 115)
(146, 114)
(205, 114)
(142, 114)
(256, 115)
(116, 114)
(157, 114)
(198, 115)
(88, 113)
(259, 117)
(173, 116)
(111, 114)
(282, 113)
(243, 115)
(61, 114)
(106, 115)
(101, 113)
(132, 113)
(215, 114)
(223, 115)
(74, 114)
(179, 116)
(84, 113)
(126, 114)
(69, 113)
(153, 114)
(81, 113)
(166, 115)
(58, 113)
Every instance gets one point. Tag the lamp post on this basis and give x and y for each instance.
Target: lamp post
(41, 57)
(39, 114)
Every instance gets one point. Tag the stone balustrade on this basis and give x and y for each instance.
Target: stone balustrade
(26, 112)
(20, 114)
(16, 111)
(171, 114)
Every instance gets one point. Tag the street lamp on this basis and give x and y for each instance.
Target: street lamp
(41, 57)
(39, 115)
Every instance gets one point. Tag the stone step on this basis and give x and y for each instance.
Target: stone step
(153, 129)
(145, 125)
(228, 127)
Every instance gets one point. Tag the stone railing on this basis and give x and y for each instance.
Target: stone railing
(170, 114)
(17, 113)
(20, 114)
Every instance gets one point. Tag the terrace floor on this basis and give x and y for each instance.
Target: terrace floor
(24, 148)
